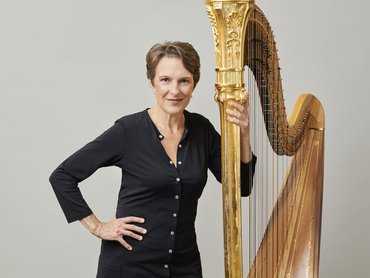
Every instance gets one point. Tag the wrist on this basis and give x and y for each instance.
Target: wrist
(92, 223)
(244, 131)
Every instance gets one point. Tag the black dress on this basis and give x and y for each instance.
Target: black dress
(152, 188)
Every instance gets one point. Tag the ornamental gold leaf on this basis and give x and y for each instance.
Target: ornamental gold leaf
(213, 20)
(234, 20)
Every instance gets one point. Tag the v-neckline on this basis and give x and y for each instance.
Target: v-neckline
(160, 137)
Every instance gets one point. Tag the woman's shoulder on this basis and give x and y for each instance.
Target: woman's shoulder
(133, 119)
(197, 119)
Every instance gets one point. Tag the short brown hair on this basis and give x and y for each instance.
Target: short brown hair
(182, 50)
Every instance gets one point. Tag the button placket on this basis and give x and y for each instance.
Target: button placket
(176, 204)
(174, 213)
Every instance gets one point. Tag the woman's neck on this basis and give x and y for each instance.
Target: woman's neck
(166, 122)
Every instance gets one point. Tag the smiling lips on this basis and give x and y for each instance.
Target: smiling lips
(174, 100)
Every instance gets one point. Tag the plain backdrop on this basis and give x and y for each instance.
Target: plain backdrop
(69, 69)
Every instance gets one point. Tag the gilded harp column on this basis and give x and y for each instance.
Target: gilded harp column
(229, 19)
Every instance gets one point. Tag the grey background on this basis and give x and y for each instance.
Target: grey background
(68, 69)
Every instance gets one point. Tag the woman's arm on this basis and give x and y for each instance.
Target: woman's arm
(240, 116)
(105, 150)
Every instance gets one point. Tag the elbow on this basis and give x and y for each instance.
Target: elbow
(53, 178)
(57, 177)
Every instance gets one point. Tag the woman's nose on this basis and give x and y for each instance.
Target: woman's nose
(175, 88)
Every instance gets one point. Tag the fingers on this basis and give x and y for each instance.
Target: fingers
(238, 114)
(118, 228)
(130, 230)
(131, 234)
(235, 121)
(238, 106)
(124, 243)
(127, 227)
(237, 110)
(233, 113)
(135, 228)
(130, 219)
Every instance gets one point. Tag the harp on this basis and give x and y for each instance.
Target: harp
(290, 245)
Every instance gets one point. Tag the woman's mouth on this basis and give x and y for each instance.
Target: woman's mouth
(175, 100)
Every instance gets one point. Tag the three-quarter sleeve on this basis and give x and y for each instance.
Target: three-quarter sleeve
(246, 176)
(246, 169)
(105, 150)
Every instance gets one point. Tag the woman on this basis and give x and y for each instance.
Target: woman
(164, 153)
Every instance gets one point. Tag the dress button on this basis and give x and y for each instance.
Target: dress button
(166, 266)
(160, 136)
(172, 233)
(171, 162)
(179, 162)
(174, 215)
(177, 197)
(170, 251)
(180, 146)
(177, 179)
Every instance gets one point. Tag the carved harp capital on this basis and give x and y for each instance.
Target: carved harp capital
(228, 20)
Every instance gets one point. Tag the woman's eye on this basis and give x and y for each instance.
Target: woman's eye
(164, 79)
(184, 81)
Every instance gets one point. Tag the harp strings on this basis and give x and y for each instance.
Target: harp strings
(271, 169)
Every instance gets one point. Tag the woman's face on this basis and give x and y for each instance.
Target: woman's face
(173, 85)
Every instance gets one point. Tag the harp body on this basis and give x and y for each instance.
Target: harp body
(291, 243)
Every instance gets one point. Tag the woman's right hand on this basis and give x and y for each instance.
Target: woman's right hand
(116, 228)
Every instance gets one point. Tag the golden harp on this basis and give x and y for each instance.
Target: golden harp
(291, 242)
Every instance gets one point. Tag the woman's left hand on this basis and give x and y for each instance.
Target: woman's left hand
(239, 115)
